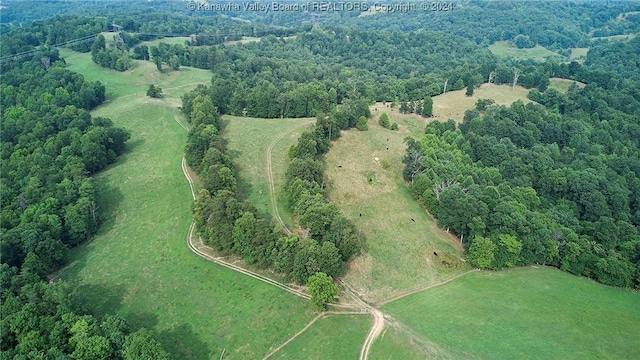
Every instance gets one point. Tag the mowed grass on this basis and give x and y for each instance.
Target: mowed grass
(505, 49)
(399, 255)
(540, 313)
(564, 84)
(139, 266)
(249, 139)
(453, 104)
(331, 337)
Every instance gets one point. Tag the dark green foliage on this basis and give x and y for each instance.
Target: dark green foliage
(362, 124)
(528, 184)
(427, 107)
(469, 91)
(384, 120)
(154, 91)
(394, 126)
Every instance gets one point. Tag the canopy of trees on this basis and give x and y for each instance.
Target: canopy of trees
(528, 184)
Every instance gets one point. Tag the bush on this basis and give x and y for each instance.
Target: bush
(394, 126)
(384, 120)
(154, 91)
(362, 124)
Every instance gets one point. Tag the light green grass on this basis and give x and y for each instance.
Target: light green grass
(249, 139)
(139, 266)
(399, 255)
(564, 84)
(399, 342)
(579, 54)
(244, 40)
(505, 49)
(531, 312)
(453, 104)
(331, 337)
(175, 40)
(134, 82)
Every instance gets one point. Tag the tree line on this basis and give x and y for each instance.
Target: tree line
(231, 225)
(50, 147)
(556, 185)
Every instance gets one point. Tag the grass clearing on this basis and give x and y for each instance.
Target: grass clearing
(331, 337)
(564, 84)
(505, 49)
(525, 312)
(174, 40)
(578, 54)
(399, 255)
(138, 265)
(453, 104)
(249, 139)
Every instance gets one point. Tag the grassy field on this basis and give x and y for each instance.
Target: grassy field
(399, 255)
(400, 342)
(134, 82)
(563, 84)
(453, 104)
(139, 266)
(179, 40)
(504, 49)
(249, 139)
(578, 54)
(528, 312)
(331, 337)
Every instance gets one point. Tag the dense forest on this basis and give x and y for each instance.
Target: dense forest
(556, 185)
(555, 181)
(50, 147)
(232, 225)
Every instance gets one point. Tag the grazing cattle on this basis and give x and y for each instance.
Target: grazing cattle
(360, 214)
(413, 220)
(435, 253)
(387, 148)
(387, 139)
(339, 166)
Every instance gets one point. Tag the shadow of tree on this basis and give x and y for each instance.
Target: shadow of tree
(191, 346)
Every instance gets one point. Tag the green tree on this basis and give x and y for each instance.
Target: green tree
(394, 126)
(469, 91)
(362, 124)
(384, 120)
(427, 107)
(322, 290)
(174, 62)
(482, 252)
(142, 345)
(154, 91)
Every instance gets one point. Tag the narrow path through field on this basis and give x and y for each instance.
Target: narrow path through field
(378, 322)
(306, 327)
(272, 189)
(424, 288)
(197, 249)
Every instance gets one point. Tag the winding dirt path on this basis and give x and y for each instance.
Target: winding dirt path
(272, 189)
(424, 288)
(306, 327)
(378, 322)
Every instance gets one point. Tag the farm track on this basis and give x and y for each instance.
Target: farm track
(197, 249)
(378, 316)
(272, 189)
